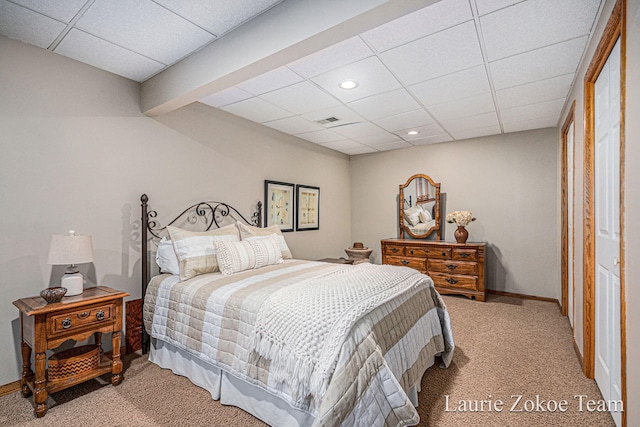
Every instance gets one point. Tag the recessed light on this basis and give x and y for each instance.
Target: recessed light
(413, 132)
(349, 84)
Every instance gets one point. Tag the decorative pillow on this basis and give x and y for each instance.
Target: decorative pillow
(196, 252)
(412, 215)
(256, 252)
(428, 207)
(166, 257)
(248, 231)
(424, 216)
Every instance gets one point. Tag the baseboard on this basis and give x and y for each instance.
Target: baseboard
(523, 296)
(15, 386)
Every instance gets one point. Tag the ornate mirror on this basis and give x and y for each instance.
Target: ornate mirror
(419, 204)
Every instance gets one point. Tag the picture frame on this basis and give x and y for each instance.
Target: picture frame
(307, 208)
(279, 207)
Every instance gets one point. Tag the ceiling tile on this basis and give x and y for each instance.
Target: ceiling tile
(423, 132)
(431, 140)
(429, 20)
(548, 122)
(534, 24)
(226, 97)
(371, 75)
(275, 79)
(257, 110)
(540, 91)
(477, 121)
(218, 16)
(357, 130)
(63, 11)
(343, 145)
(144, 27)
(439, 54)
(539, 64)
(405, 120)
(359, 150)
(476, 132)
(385, 104)
(338, 55)
(533, 111)
(321, 136)
(27, 26)
(107, 56)
(300, 98)
(454, 86)
(378, 139)
(293, 125)
(396, 145)
(463, 107)
(488, 6)
(341, 112)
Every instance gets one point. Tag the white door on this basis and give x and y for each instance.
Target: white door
(607, 217)
(570, 222)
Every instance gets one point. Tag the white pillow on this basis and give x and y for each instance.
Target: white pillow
(247, 231)
(234, 257)
(166, 257)
(412, 215)
(424, 216)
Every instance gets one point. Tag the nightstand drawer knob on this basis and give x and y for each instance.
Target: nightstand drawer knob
(83, 314)
(465, 255)
(404, 262)
(451, 266)
(100, 315)
(411, 251)
(394, 250)
(66, 323)
(444, 254)
(452, 281)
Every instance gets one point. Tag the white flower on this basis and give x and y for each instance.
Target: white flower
(461, 218)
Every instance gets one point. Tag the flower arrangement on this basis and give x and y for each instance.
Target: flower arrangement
(461, 218)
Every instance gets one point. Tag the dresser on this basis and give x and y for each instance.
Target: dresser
(456, 268)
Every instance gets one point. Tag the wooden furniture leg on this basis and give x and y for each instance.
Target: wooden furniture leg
(27, 373)
(116, 364)
(40, 397)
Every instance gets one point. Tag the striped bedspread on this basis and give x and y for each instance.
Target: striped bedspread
(382, 352)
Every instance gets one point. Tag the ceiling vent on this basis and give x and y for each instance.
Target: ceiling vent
(327, 120)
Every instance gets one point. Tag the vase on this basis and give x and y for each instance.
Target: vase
(461, 234)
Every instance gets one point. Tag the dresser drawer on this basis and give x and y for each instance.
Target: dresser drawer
(427, 252)
(417, 263)
(393, 250)
(447, 266)
(73, 320)
(464, 254)
(454, 281)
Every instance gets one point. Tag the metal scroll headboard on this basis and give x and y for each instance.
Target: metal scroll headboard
(209, 213)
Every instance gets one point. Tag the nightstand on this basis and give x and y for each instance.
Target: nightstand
(46, 326)
(337, 260)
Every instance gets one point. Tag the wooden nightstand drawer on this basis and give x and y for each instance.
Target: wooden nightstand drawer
(429, 252)
(457, 267)
(454, 281)
(73, 320)
(393, 250)
(465, 254)
(417, 263)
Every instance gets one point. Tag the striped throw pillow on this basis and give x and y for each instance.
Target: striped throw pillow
(196, 251)
(234, 257)
(247, 231)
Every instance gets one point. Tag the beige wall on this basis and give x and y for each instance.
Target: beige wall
(77, 154)
(631, 207)
(509, 182)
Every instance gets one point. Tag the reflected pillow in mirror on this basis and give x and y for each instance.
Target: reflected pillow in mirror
(425, 216)
(428, 207)
(412, 215)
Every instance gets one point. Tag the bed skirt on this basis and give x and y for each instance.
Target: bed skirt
(230, 390)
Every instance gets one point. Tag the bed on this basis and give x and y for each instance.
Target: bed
(293, 342)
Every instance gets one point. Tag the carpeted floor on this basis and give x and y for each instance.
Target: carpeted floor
(505, 348)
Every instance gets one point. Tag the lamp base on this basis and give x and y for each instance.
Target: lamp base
(73, 282)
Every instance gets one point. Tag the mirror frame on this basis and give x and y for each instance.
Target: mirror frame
(437, 227)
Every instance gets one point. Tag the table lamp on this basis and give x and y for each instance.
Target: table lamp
(70, 250)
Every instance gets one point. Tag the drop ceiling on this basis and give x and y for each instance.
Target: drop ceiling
(453, 70)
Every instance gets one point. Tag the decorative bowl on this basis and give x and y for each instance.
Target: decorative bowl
(52, 295)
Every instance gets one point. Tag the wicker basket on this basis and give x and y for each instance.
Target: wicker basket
(74, 361)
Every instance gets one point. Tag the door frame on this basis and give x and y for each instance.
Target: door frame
(565, 210)
(615, 28)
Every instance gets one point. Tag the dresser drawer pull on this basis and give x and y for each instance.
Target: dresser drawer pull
(451, 266)
(100, 315)
(404, 262)
(411, 252)
(394, 250)
(66, 323)
(465, 255)
(452, 281)
(83, 314)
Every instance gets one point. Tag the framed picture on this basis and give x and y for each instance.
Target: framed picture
(308, 208)
(278, 204)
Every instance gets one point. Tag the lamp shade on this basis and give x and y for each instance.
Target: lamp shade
(70, 249)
